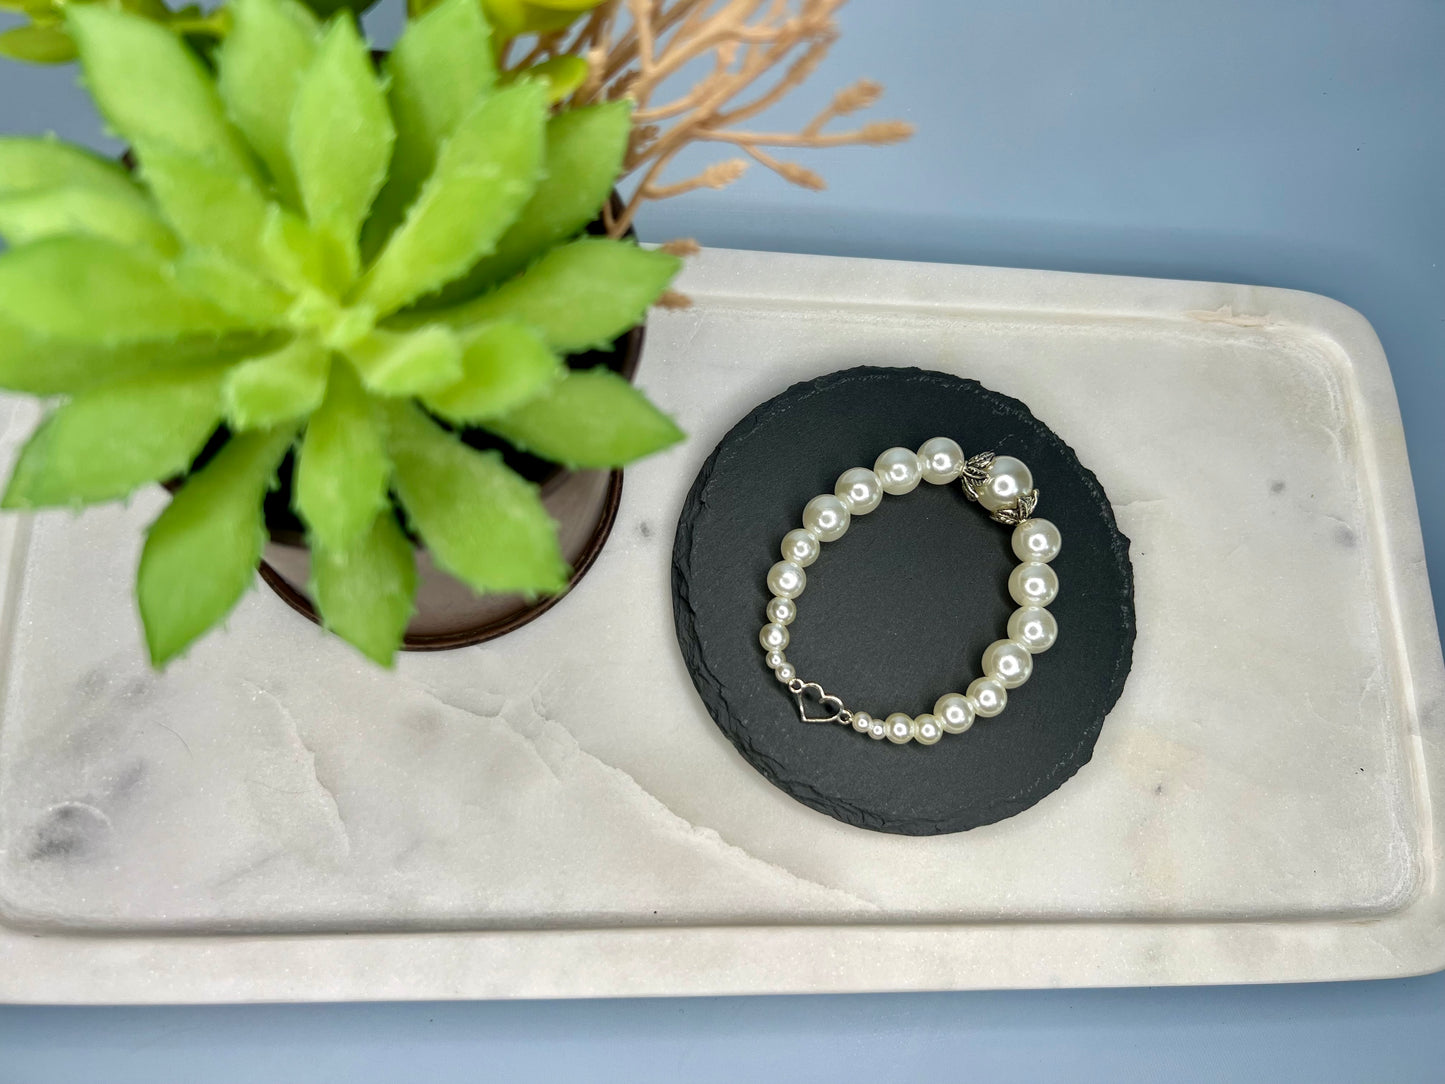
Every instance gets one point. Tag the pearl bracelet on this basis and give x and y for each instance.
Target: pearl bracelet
(1004, 487)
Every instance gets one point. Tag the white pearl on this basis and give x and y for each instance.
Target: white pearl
(878, 730)
(826, 517)
(899, 727)
(942, 460)
(1034, 627)
(774, 637)
(775, 659)
(801, 547)
(1033, 583)
(860, 489)
(786, 673)
(954, 712)
(988, 696)
(784, 611)
(787, 579)
(899, 470)
(1008, 480)
(927, 730)
(862, 722)
(1009, 662)
(1037, 540)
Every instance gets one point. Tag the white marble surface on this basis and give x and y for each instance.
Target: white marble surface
(554, 813)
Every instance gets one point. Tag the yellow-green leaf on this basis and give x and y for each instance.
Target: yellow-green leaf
(342, 470)
(562, 74)
(208, 274)
(503, 365)
(97, 212)
(365, 592)
(37, 44)
(39, 163)
(407, 363)
(282, 386)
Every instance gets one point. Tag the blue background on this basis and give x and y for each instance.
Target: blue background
(1288, 144)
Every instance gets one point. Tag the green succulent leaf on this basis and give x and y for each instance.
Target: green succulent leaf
(343, 469)
(282, 386)
(200, 554)
(325, 8)
(584, 156)
(484, 174)
(93, 290)
(407, 363)
(441, 67)
(152, 88)
(579, 296)
(261, 62)
(562, 74)
(479, 520)
(97, 212)
(503, 365)
(104, 443)
(341, 133)
(302, 258)
(365, 592)
(514, 17)
(592, 418)
(31, 164)
(37, 44)
(246, 295)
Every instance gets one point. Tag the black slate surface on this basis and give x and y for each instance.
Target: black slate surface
(899, 610)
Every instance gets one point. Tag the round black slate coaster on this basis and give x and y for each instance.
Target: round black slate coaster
(899, 610)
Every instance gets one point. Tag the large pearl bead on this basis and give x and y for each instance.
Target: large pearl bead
(860, 489)
(801, 547)
(899, 470)
(1034, 627)
(899, 728)
(988, 696)
(927, 730)
(1008, 480)
(942, 460)
(1033, 583)
(782, 610)
(954, 712)
(1009, 662)
(787, 580)
(1037, 540)
(773, 637)
(862, 722)
(826, 517)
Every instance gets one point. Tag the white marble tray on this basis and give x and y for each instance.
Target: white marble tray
(555, 814)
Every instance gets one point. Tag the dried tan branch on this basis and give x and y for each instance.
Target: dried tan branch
(877, 134)
(680, 246)
(717, 175)
(789, 171)
(671, 299)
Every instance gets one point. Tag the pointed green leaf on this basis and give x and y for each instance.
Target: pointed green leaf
(503, 365)
(248, 296)
(30, 164)
(579, 296)
(37, 44)
(200, 554)
(592, 418)
(102, 444)
(365, 593)
(97, 212)
(343, 470)
(484, 174)
(441, 67)
(261, 62)
(284, 385)
(151, 87)
(584, 157)
(341, 133)
(479, 520)
(211, 207)
(303, 258)
(407, 363)
(562, 74)
(92, 290)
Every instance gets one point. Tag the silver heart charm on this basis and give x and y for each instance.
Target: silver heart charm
(826, 702)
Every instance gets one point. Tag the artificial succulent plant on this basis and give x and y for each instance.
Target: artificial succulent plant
(273, 271)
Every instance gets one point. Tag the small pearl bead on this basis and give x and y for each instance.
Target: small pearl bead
(954, 712)
(1009, 662)
(927, 730)
(787, 579)
(775, 659)
(862, 722)
(1008, 480)
(942, 460)
(1033, 583)
(900, 727)
(899, 470)
(784, 611)
(826, 517)
(1034, 627)
(801, 547)
(774, 637)
(1037, 540)
(878, 730)
(988, 696)
(786, 673)
(860, 490)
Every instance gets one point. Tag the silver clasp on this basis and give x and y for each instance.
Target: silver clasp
(826, 701)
